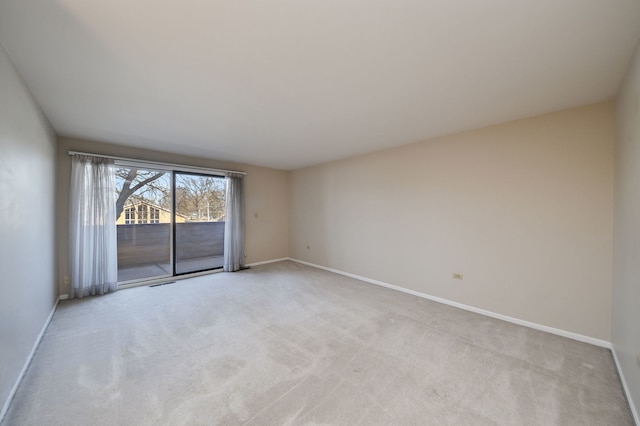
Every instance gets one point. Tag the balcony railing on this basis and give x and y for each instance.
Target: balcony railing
(144, 250)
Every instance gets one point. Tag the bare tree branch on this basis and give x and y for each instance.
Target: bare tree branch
(197, 197)
(127, 190)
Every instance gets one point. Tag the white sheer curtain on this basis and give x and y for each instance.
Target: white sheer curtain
(92, 227)
(234, 224)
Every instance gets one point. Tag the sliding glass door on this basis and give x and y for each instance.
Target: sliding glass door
(199, 222)
(168, 223)
(144, 223)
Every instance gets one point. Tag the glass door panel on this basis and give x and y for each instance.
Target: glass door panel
(199, 222)
(144, 223)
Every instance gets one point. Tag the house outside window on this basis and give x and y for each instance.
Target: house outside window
(129, 216)
(154, 215)
(143, 214)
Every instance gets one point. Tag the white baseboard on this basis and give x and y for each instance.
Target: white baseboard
(264, 262)
(632, 407)
(536, 326)
(568, 334)
(5, 408)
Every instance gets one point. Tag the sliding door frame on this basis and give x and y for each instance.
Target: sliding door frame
(174, 209)
(170, 275)
(169, 167)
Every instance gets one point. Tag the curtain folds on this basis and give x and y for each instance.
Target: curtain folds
(92, 227)
(234, 224)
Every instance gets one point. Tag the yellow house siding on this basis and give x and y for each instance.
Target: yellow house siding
(145, 212)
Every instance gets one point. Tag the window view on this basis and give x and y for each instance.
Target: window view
(153, 234)
(129, 215)
(144, 243)
(200, 235)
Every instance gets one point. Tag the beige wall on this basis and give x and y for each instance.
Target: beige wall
(266, 199)
(523, 210)
(27, 230)
(626, 281)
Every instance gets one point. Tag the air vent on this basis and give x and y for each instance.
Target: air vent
(158, 285)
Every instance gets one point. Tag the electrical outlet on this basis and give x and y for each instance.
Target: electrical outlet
(67, 280)
(456, 276)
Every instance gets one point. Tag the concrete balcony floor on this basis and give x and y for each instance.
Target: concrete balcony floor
(146, 271)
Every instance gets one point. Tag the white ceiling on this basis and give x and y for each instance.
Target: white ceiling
(291, 83)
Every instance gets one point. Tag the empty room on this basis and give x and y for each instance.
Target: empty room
(319, 213)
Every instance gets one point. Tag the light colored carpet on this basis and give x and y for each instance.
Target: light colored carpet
(288, 344)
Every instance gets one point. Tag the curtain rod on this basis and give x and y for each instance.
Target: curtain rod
(157, 163)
